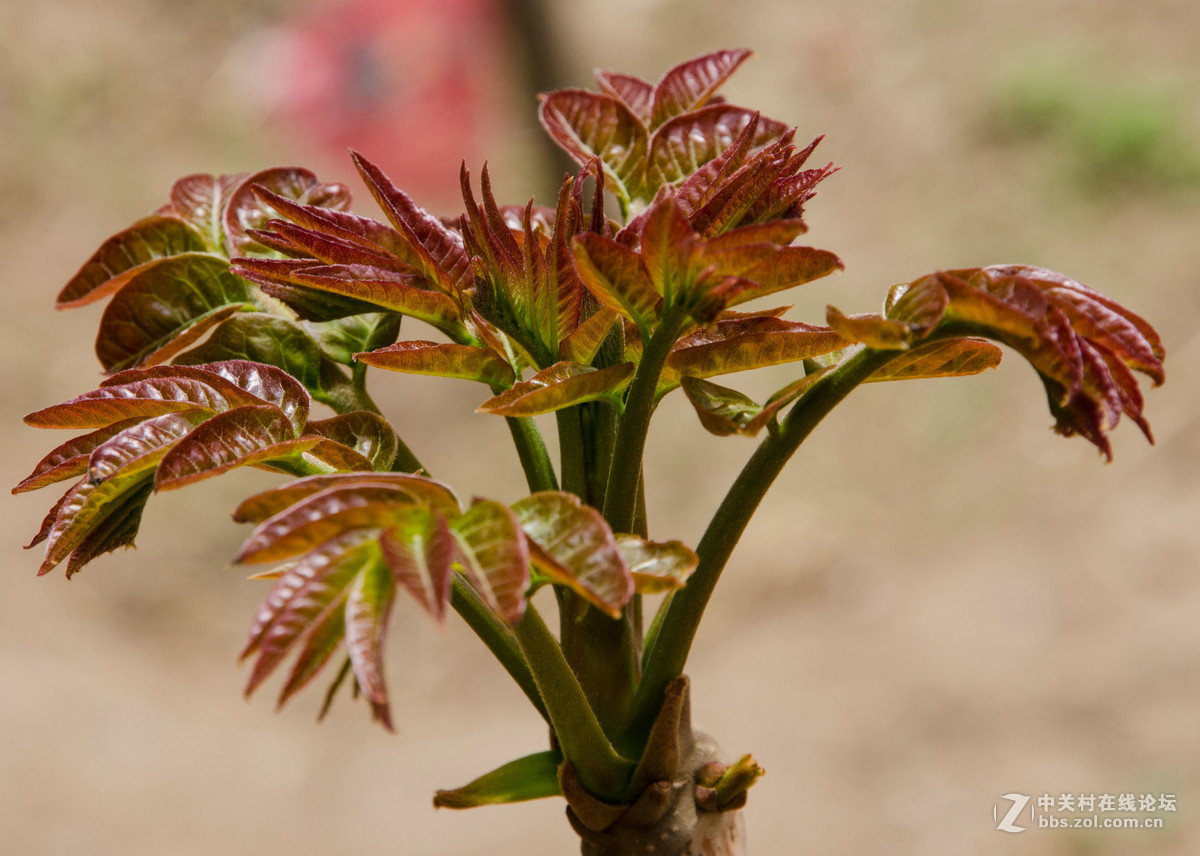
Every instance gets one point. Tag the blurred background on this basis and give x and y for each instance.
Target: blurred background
(941, 602)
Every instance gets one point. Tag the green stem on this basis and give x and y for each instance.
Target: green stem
(531, 449)
(602, 771)
(498, 638)
(572, 451)
(620, 500)
(679, 623)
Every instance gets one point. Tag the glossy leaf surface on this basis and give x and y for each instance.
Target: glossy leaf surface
(562, 385)
(657, 566)
(494, 557)
(530, 778)
(442, 360)
(160, 304)
(584, 552)
(127, 254)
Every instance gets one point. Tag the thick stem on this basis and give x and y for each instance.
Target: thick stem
(535, 460)
(620, 501)
(583, 742)
(498, 638)
(679, 623)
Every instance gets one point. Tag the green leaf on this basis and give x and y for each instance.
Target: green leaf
(127, 254)
(261, 338)
(582, 550)
(669, 249)
(340, 340)
(493, 555)
(368, 434)
(589, 126)
(951, 358)
(561, 385)
(426, 491)
(165, 302)
(118, 528)
(657, 566)
(530, 778)
(584, 342)
(442, 360)
(420, 550)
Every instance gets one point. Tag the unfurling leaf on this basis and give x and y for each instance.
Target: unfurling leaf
(248, 208)
(562, 385)
(1084, 345)
(576, 548)
(530, 778)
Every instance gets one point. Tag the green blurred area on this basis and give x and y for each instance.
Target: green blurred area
(941, 601)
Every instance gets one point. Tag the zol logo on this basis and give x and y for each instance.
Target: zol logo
(1006, 824)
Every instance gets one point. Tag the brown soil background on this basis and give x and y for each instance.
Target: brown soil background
(940, 603)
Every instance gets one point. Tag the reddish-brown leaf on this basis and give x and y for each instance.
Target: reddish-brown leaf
(164, 302)
(422, 490)
(319, 517)
(493, 555)
(442, 360)
(589, 125)
(688, 85)
(368, 607)
(70, 459)
(420, 550)
(303, 597)
(127, 254)
(368, 434)
(582, 550)
(443, 258)
(657, 566)
(561, 385)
